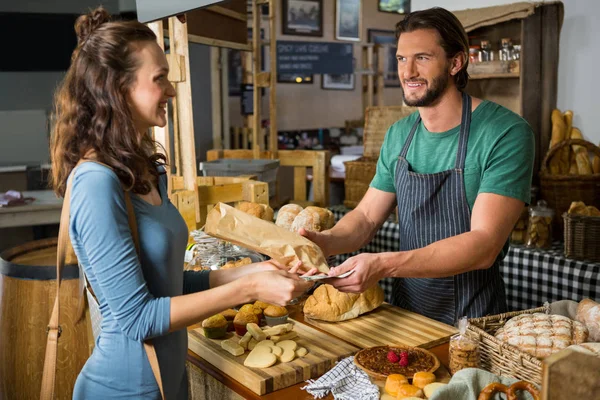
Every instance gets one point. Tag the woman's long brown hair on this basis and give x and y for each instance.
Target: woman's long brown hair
(91, 110)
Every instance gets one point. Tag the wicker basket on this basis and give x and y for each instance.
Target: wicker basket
(582, 237)
(560, 190)
(500, 357)
(360, 173)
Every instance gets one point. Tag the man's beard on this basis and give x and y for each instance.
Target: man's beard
(434, 91)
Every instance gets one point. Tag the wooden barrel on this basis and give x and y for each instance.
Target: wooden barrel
(27, 293)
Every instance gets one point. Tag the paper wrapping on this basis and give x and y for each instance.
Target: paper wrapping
(235, 226)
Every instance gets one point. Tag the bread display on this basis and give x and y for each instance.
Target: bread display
(314, 219)
(588, 313)
(542, 335)
(286, 215)
(329, 304)
(261, 211)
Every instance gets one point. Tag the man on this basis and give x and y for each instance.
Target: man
(459, 171)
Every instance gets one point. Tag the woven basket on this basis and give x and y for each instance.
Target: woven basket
(582, 237)
(560, 190)
(499, 357)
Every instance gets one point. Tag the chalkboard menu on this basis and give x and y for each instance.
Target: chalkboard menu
(314, 57)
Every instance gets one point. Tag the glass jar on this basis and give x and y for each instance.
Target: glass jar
(517, 52)
(539, 229)
(474, 54)
(506, 50)
(486, 51)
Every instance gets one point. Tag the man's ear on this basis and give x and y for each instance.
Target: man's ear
(457, 63)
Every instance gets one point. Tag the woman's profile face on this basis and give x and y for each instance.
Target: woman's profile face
(148, 95)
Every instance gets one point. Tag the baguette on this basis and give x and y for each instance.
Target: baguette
(559, 164)
(581, 155)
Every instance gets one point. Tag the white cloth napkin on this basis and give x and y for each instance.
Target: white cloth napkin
(337, 161)
(345, 381)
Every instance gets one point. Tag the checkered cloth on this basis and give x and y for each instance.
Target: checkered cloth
(345, 381)
(531, 276)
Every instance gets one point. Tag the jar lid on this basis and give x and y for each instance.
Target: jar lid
(541, 210)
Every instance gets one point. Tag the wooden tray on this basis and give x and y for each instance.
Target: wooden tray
(388, 325)
(323, 352)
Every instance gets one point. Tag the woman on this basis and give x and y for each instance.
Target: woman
(114, 91)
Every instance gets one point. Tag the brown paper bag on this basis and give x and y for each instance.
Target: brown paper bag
(235, 226)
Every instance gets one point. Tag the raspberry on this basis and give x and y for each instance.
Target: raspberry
(392, 357)
(403, 358)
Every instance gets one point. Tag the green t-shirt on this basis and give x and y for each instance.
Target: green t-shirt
(500, 153)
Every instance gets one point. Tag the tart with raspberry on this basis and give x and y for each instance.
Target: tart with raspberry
(380, 361)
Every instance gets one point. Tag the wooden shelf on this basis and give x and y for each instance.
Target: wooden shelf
(504, 75)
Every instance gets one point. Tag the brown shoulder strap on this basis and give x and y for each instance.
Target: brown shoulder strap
(54, 329)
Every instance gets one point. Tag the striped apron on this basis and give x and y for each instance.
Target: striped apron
(432, 207)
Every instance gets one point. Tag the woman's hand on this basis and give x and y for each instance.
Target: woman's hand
(278, 287)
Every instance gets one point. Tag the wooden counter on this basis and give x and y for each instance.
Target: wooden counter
(208, 382)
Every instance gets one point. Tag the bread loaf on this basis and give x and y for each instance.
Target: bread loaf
(542, 335)
(286, 215)
(261, 211)
(314, 219)
(588, 313)
(329, 304)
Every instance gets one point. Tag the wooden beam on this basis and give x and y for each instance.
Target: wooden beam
(256, 123)
(263, 79)
(299, 183)
(219, 43)
(380, 68)
(179, 45)
(227, 12)
(226, 126)
(273, 144)
(185, 202)
(176, 68)
(256, 192)
(215, 91)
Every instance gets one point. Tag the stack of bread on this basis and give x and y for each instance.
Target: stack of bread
(315, 219)
(329, 304)
(542, 335)
(579, 208)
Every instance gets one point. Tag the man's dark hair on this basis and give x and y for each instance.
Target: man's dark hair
(453, 37)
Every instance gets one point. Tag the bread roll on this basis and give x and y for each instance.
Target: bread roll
(261, 211)
(588, 348)
(314, 219)
(329, 304)
(407, 391)
(286, 215)
(392, 382)
(588, 313)
(422, 379)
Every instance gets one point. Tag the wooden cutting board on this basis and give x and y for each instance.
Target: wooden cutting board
(388, 325)
(323, 352)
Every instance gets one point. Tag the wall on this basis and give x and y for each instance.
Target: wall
(307, 106)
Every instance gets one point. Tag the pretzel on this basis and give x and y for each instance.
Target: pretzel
(522, 385)
(488, 392)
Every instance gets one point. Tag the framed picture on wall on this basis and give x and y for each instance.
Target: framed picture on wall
(337, 81)
(295, 78)
(348, 20)
(235, 68)
(394, 6)
(388, 39)
(302, 17)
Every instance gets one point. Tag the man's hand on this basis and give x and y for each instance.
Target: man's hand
(318, 238)
(367, 272)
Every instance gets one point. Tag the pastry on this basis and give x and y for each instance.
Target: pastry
(588, 348)
(422, 379)
(329, 304)
(430, 389)
(301, 351)
(392, 382)
(254, 309)
(261, 304)
(542, 335)
(261, 211)
(588, 313)
(229, 315)
(231, 346)
(286, 215)
(215, 327)
(381, 361)
(314, 219)
(241, 319)
(405, 391)
(276, 315)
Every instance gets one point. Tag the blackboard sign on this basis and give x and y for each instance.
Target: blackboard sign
(314, 57)
(247, 99)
